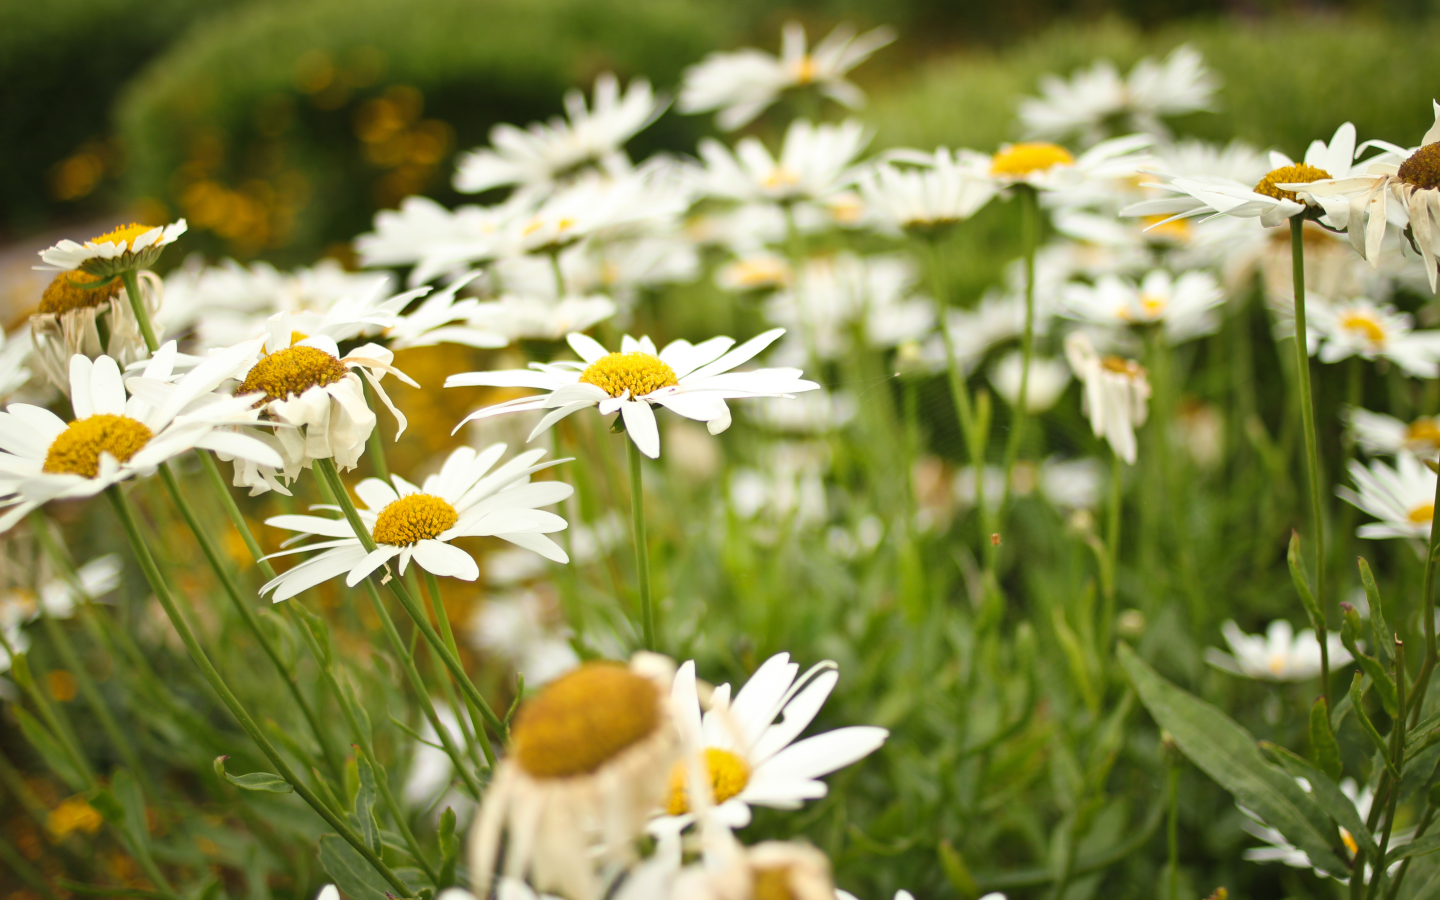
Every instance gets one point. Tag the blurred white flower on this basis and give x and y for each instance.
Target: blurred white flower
(925, 197)
(56, 597)
(758, 271)
(536, 318)
(430, 766)
(1281, 655)
(421, 229)
(1280, 850)
(1048, 380)
(1370, 330)
(1379, 434)
(525, 628)
(813, 412)
(15, 349)
(1117, 394)
(1184, 306)
(814, 163)
(1050, 167)
(835, 294)
(1402, 498)
(743, 83)
(1072, 483)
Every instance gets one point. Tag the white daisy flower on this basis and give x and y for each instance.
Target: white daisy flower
(1050, 167)
(926, 197)
(749, 757)
(814, 163)
(422, 228)
(757, 271)
(537, 318)
(542, 153)
(835, 294)
(21, 604)
(1095, 99)
(1402, 498)
(442, 318)
(693, 380)
(1281, 655)
(126, 248)
(1184, 307)
(1370, 330)
(15, 349)
(73, 310)
(112, 438)
(743, 83)
(1048, 380)
(1278, 196)
(419, 523)
(1379, 434)
(1072, 483)
(769, 869)
(526, 628)
(590, 759)
(1117, 394)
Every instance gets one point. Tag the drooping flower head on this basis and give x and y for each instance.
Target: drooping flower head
(1117, 394)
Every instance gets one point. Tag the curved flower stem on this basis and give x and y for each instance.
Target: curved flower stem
(1427, 668)
(137, 306)
(1312, 446)
(126, 514)
(1397, 754)
(1030, 208)
(642, 549)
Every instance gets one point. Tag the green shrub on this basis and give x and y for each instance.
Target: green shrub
(282, 127)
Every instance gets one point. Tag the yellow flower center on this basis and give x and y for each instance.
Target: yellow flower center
(636, 372)
(1422, 169)
(728, 776)
(126, 233)
(414, 518)
(584, 719)
(1278, 663)
(1422, 514)
(772, 883)
(805, 70)
(781, 177)
(1364, 324)
(1019, 160)
(77, 449)
(1127, 367)
(293, 370)
(755, 273)
(1300, 174)
(70, 290)
(1423, 431)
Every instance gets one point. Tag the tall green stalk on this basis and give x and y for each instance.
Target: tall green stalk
(642, 549)
(131, 280)
(1030, 209)
(1422, 680)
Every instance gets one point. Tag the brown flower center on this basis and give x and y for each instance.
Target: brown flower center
(293, 370)
(74, 290)
(1422, 169)
(77, 449)
(584, 719)
(639, 373)
(414, 518)
(1296, 174)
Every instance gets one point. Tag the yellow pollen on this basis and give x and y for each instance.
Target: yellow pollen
(636, 372)
(1422, 169)
(1277, 663)
(728, 776)
(1299, 174)
(70, 290)
(414, 518)
(1349, 840)
(1422, 514)
(1018, 160)
(77, 449)
(1423, 431)
(126, 233)
(805, 70)
(293, 370)
(1366, 325)
(772, 883)
(584, 719)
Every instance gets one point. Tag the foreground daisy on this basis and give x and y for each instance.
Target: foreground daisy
(749, 756)
(589, 759)
(693, 380)
(112, 438)
(1386, 435)
(1117, 394)
(419, 523)
(1402, 498)
(127, 248)
(1184, 306)
(743, 83)
(1370, 330)
(1281, 655)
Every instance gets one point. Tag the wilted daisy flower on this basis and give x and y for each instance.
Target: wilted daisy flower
(69, 321)
(545, 152)
(751, 758)
(1402, 498)
(1281, 194)
(693, 380)
(1281, 655)
(814, 163)
(590, 756)
(127, 248)
(419, 523)
(1048, 380)
(1117, 394)
(743, 83)
(1184, 306)
(1378, 433)
(1370, 330)
(1097, 99)
(1049, 167)
(112, 438)
(934, 192)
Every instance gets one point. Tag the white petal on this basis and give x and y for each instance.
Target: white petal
(640, 423)
(440, 558)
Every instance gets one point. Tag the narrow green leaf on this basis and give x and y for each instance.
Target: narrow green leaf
(49, 749)
(1322, 741)
(1331, 799)
(1349, 634)
(1075, 656)
(1383, 635)
(363, 815)
(1382, 749)
(351, 873)
(1427, 844)
(318, 628)
(956, 872)
(260, 781)
(127, 791)
(1227, 753)
(1301, 578)
(449, 848)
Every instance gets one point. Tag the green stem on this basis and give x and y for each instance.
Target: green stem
(61, 730)
(1030, 208)
(1312, 445)
(1112, 551)
(1422, 681)
(126, 515)
(1397, 756)
(642, 550)
(437, 603)
(1425, 821)
(137, 306)
(1172, 832)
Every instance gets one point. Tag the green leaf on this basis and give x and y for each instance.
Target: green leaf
(255, 781)
(449, 848)
(1322, 740)
(354, 876)
(956, 872)
(1331, 799)
(1301, 578)
(318, 629)
(1227, 753)
(1349, 634)
(49, 749)
(1382, 749)
(363, 816)
(127, 791)
(1383, 636)
(1079, 665)
(1427, 844)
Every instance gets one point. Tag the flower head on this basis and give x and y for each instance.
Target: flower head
(1401, 497)
(1051, 167)
(1370, 330)
(1384, 435)
(923, 198)
(126, 248)
(814, 163)
(1184, 306)
(1281, 655)
(1117, 393)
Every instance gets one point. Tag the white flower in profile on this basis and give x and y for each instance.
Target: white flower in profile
(814, 163)
(1051, 167)
(743, 83)
(112, 438)
(1184, 307)
(1117, 394)
(1096, 99)
(692, 380)
(126, 248)
(1281, 655)
(464, 499)
(923, 196)
(749, 757)
(1048, 380)
(542, 153)
(1371, 331)
(1379, 434)
(1402, 498)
